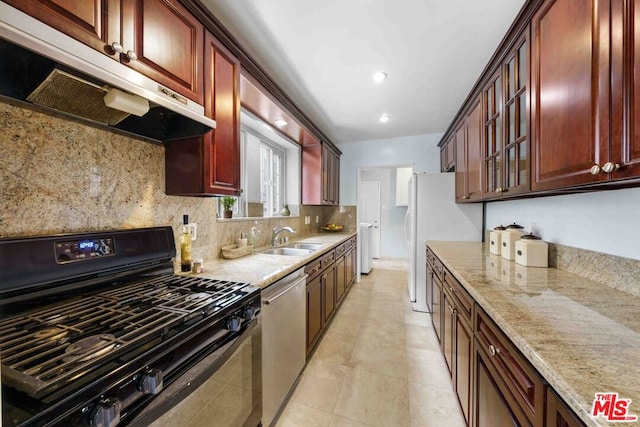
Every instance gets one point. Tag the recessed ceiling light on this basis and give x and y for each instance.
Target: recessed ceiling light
(280, 123)
(384, 118)
(379, 76)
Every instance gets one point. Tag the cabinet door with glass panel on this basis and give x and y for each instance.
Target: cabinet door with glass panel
(516, 140)
(505, 120)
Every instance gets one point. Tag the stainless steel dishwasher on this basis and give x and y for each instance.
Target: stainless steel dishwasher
(283, 341)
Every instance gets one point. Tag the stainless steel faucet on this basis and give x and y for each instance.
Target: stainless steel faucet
(276, 233)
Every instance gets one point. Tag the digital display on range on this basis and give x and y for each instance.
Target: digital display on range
(80, 250)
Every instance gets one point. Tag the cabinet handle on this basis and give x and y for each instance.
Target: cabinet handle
(492, 350)
(610, 167)
(499, 189)
(117, 47)
(595, 169)
(132, 55)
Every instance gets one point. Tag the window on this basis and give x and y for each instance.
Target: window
(272, 194)
(269, 171)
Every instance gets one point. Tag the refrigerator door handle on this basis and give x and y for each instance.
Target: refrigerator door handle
(406, 225)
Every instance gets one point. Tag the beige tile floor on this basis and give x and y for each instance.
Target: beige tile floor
(378, 364)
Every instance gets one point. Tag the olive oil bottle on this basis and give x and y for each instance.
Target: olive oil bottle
(185, 246)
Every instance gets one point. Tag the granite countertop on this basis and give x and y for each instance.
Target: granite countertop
(582, 336)
(261, 270)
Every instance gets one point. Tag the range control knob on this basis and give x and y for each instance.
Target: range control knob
(233, 323)
(106, 413)
(151, 382)
(248, 313)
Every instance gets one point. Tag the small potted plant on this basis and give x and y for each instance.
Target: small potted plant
(227, 206)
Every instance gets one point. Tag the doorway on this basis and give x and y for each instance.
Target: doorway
(369, 203)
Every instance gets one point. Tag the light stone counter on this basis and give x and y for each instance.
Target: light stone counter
(261, 270)
(583, 337)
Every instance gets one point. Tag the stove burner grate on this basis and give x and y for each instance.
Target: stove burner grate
(44, 349)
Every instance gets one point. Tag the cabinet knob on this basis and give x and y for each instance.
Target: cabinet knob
(595, 169)
(117, 47)
(465, 197)
(610, 167)
(492, 350)
(499, 189)
(132, 55)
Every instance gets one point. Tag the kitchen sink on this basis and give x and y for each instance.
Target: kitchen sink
(311, 246)
(288, 251)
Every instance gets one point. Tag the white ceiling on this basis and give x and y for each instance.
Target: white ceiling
(323, 54)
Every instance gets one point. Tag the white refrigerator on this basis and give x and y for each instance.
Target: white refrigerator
(433, 214)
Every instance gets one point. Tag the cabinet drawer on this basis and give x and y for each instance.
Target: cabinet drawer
(313, 269)
(520, 376)
(340, 249)
(353, 241)
(430, 257)
(438, 268)
(464, 302)
(328, 258)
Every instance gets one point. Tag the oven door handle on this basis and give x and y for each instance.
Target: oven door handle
(285, 291)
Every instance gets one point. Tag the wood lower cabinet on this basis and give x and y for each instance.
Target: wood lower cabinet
(522, 387)
(559, 414)
(329, 278)
(495, 384)
(315, 315)
(210, 165)
(159, 38)
(492, 407)
(457, 339)
(437, 311)
(341, 277)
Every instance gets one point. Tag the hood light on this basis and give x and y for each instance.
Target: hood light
(384, 118)
(281, 123)
(379, 76)
(126, 102)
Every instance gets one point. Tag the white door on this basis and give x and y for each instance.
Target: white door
(370, 212)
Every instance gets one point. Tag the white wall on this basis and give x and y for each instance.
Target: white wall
(421, 151)
(378, 160)
(602, 221)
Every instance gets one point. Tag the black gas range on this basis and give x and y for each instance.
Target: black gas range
(96, 329)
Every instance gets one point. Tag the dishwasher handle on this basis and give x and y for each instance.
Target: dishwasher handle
(286, 290)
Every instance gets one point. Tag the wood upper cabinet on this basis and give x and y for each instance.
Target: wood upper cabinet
(158, 38)
(505, 122)
(320, 175)
(168, 43)
(492, 136)
(210, 165)
(222, 145)
(448, 156)
(625, 151)
(469, 156)
(570, 87)
(95, 23)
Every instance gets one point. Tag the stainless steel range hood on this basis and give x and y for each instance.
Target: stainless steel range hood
(71, 78)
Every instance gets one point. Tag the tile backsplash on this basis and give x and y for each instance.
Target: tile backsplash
(61, 176)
